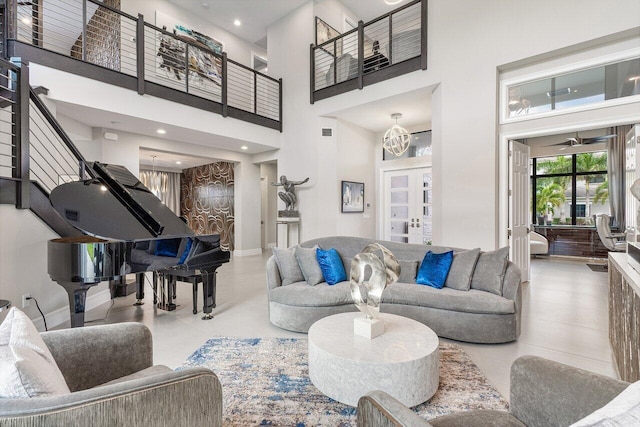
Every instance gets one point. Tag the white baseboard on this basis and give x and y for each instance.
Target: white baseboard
(271, 245)
(247, 252)
(61, 315)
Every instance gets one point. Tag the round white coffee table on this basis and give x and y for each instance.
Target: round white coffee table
(403, 361)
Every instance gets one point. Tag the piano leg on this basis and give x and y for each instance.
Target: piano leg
(139, 289)
(208, 292)
(77, 294)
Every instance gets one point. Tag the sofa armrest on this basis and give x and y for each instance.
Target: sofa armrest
(545, 393)
(96, 354)
(273, 274)
(192, 396)
(378, 409)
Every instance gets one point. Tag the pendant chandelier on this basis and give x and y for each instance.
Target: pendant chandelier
(397, 139)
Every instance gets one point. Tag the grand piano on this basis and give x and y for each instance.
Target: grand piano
(116, 210)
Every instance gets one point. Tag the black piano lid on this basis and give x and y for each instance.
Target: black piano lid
(116, 205)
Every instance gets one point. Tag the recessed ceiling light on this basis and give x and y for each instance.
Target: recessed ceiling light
(205, 5)
(392, 2)
(26, 20)
(244, 147)
(237, 22)
(161, 131)
(178, 162)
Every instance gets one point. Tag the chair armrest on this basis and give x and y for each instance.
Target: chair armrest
(545, 393)
(192, 396)
(96, 354)
(378, 409)
(273, 274)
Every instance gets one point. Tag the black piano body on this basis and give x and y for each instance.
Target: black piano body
(116, 210)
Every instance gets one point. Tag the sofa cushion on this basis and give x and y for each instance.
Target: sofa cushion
(322, 295)
(184, 249)
(331, 266)
(308, 262)
(472, 301)
(434, 269)
(27, 368)
(288, 265)
(168, 247)
(461, 270)
(490, 269)
(408, 270)
(623, 410)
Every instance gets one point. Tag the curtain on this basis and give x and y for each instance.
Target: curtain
(165, 185)
(616, 175)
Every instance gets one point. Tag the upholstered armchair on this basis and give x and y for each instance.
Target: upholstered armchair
(113, 382)
(543, 393)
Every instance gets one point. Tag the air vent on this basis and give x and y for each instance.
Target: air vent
(327, 132)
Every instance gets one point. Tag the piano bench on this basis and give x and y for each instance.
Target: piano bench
(188, 277)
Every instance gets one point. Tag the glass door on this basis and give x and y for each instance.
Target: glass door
(408, 206)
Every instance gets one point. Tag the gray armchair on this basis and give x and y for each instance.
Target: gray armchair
(113, 382)
(543, 393)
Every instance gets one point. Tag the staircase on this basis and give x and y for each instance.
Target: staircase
(36, 154)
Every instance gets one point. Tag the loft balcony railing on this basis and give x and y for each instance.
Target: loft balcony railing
(95, 39)
(388, 46)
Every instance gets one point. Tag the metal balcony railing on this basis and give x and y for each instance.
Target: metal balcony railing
(146, 58)
(388, 46)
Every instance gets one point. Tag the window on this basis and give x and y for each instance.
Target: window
(579, 88)
(570, 189)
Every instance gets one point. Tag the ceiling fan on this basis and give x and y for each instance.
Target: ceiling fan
(577, 141)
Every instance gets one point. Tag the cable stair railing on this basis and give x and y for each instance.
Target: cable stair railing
(95, 39)
(36, 154)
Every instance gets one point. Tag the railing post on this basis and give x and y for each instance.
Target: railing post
(335, 63)
(186, 67)
(84, 30)
(391, 61)
(225, 110)
(423, 34)
(280, 102)
(140, 53)
(360, 54)
(255, 93)
(312, 79)
(21, 135)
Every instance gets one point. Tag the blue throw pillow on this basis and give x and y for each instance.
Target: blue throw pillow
(185, 253)
(434, 269)
(167, 247)
(331, 266)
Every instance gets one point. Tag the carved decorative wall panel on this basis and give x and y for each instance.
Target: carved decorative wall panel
(206, 194)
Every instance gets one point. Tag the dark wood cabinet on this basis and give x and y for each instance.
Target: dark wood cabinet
(573, 241)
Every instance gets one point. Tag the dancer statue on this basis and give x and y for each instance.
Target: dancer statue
(288, 196)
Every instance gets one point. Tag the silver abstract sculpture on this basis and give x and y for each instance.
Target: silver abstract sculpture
(384, 272)
(288, 196)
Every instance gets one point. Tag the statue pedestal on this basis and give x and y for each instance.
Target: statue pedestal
(368, 328)
(287, 231)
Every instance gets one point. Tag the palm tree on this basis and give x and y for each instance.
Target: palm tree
(590, 162)
(548, 197)
(602, 193)
(560, 164)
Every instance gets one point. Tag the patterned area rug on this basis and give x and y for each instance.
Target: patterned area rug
(265, 381)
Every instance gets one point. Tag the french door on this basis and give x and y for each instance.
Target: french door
(408, 209)
(519, 211)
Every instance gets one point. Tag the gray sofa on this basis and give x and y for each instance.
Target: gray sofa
(543, 393)
(472, 315)
(109, 370)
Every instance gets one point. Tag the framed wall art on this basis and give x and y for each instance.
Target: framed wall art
(352, 197)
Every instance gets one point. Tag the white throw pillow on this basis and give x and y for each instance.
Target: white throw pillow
(623, 410)
(27, 368)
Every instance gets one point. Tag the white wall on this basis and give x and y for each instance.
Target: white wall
(356, 155)
(467, 43)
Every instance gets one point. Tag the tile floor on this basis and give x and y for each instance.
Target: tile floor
(564, 318)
